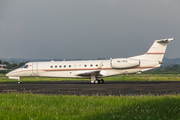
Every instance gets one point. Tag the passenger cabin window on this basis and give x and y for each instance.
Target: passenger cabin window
(60, 66)
(69, 65)
(91, 65)
(96, 65)
(64, 65)
(85, 65)
(51, 66)
(56, 66)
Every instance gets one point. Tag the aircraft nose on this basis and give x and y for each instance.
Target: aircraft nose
(8, 74)
(12, 73)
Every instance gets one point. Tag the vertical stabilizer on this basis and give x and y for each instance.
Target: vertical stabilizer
(156, 51)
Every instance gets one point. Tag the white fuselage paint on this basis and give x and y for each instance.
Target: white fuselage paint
(71, 69)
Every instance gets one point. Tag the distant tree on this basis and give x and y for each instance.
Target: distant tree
(21, 64)
(173, 69)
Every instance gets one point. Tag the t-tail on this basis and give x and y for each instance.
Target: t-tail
(157, 50)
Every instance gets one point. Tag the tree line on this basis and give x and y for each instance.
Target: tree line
(171, 69)
(10, 66)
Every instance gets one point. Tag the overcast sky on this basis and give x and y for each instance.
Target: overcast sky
(87, 29)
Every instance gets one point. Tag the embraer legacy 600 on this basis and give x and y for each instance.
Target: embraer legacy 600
(95, 70)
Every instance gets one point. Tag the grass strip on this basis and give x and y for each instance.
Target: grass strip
(131, 77)
(60, 107)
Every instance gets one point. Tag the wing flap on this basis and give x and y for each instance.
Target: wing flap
(97, 72)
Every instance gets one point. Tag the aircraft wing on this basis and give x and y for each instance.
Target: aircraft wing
(97, 72)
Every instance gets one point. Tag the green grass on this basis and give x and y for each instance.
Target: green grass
(131, 77)
(63, 107)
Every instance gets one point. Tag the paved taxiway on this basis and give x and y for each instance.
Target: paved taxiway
(86, 88)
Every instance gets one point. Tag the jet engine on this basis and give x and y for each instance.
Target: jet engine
(123, 63)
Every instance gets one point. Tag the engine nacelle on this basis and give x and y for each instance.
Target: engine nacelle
(123, 63)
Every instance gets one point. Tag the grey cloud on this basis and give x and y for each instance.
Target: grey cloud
(86, 29)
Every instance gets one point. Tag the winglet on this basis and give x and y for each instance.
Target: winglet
(100, 65)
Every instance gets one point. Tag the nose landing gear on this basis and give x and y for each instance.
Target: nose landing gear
(19, 81)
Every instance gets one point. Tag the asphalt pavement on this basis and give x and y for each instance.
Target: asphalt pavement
(115, 88)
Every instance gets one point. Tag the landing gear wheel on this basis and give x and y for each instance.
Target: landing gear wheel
(99, 81)
(19, 82)
(102, 81)
(96, 81)
(92, 81)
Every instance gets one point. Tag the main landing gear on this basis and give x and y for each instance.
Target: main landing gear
(95, 79)
(98, 81)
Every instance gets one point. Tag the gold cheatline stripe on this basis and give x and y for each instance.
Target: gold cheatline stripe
(155, 53)
(79, 69)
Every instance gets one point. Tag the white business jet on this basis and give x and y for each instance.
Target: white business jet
(95, 70)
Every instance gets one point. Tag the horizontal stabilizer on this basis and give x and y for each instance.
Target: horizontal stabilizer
(165, 40)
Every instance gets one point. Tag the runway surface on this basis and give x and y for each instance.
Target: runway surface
(86, 88)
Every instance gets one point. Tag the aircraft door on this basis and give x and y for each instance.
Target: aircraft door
(35, 69)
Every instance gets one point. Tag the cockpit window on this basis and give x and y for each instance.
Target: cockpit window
(24, 66)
